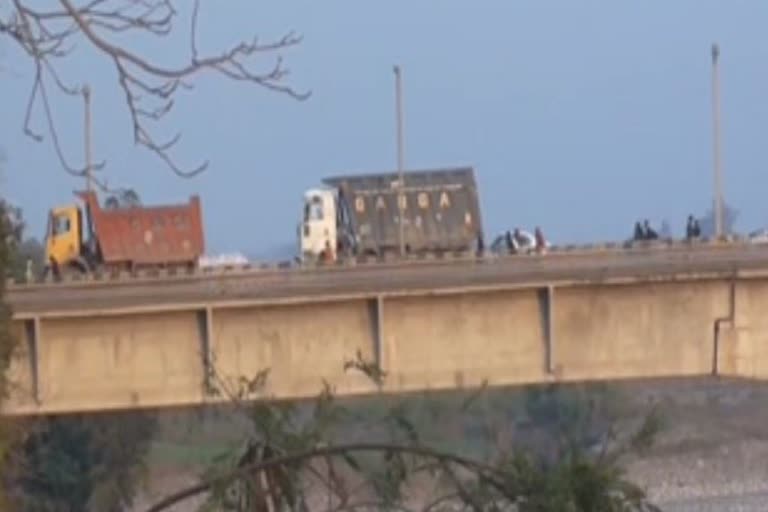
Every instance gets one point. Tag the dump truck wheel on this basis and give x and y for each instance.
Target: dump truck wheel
(70, 271)
(73, 270)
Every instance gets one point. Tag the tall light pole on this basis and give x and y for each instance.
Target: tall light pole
(88, 160)
(87, 136)
(718, 178)
(401, 179)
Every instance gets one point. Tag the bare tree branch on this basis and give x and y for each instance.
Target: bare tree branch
(149, 89)
(487, 472)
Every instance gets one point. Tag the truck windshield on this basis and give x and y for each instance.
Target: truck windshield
(60, 225)
(313, 210)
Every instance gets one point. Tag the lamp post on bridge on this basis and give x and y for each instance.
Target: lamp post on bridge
(400, 158)
(717, 164)
(86, 92)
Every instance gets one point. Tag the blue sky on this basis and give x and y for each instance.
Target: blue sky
(578, 116)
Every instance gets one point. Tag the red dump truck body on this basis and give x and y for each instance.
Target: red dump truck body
(151, 235)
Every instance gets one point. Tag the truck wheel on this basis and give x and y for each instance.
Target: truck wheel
(71, 271)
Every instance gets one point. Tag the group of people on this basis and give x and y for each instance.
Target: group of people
(692, 229)
(644, 231)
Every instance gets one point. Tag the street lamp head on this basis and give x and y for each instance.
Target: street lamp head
(715, 51)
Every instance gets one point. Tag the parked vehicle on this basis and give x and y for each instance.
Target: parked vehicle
(759, 236)
(523, 243)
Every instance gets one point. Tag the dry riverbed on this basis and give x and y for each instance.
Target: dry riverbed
(712, 455)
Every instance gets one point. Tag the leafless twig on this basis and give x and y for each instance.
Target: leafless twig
(485, 472)
(49, 36)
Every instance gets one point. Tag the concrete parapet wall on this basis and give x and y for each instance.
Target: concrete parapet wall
(638, 330)
(300, 345)
(119, 361)
(461, 340)
(743, 339)
(646, 329)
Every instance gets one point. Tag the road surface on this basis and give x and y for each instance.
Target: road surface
(387, 278)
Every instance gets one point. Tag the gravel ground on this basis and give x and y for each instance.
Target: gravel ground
(713, 453)
(746, 502)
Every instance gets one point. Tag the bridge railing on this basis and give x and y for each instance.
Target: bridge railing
(578, 251)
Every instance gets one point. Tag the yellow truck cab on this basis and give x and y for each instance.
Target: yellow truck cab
(64, 236)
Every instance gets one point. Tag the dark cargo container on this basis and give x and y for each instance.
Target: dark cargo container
(441, 211)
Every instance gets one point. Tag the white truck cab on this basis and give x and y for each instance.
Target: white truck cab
(317, 231)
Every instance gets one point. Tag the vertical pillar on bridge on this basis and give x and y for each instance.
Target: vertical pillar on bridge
(376, 308)
(720, 324)
(205, 325)
(547, 316)
(32, 331)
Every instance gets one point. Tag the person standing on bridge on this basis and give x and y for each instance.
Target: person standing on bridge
(519, 240)
(689, 228)
(510, 242)
(541, 243)
(650, 234)
(639, 234)
(692, 230)
(328, 255)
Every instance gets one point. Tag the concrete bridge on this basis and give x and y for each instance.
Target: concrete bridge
(612, 314)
